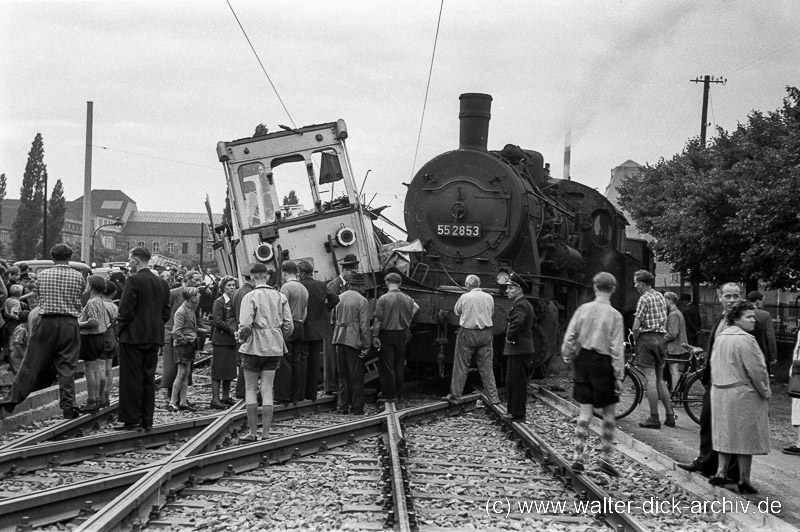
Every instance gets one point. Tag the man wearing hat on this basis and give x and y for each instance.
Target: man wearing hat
(316, 326)
(57, 340)
(351, 339)
(236, 303)
(474, 309)
(390, 333)
(764, 331)
(518, 348)
(336, 287)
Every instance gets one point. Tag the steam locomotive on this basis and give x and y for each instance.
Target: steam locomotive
(467, 211)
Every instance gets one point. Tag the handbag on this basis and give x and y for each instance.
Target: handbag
(794, 381)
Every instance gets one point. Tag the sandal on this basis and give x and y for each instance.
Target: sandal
(249, 438)
(746, 487)
(717, 481)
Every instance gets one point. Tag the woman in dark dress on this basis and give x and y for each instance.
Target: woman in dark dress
(223, 364)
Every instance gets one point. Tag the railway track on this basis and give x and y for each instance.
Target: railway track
(430, 466)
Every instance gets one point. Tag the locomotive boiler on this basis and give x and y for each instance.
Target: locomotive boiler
(490, 213)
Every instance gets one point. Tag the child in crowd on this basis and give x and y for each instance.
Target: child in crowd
(184, 341)
(12, 307)
(19, 343)
(109, 346)
(93, 323)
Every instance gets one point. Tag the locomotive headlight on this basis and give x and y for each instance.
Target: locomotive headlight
(264, 253)
(345, 236)
(502, 277)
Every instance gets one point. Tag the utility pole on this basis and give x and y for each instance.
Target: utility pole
(706, 81)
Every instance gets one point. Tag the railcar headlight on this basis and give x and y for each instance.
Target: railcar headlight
(264, 252)
(346, 236)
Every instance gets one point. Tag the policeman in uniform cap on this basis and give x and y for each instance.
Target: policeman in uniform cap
(518, 348)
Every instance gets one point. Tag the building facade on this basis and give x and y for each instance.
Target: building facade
(119, 226)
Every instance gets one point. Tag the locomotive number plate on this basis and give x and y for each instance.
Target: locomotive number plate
(460, 230)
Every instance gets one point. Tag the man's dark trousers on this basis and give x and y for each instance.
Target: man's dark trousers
(137, 370)
(313, 353)
(290, 379)
(518, 368)
(55, 340)
(351, 379)
(391, 363)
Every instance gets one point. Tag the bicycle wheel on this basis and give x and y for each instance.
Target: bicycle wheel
(692, 396)
(632, 392)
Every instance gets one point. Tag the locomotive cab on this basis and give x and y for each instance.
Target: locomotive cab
(282, 189)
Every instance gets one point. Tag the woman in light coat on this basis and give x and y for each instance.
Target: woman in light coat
(739, 396)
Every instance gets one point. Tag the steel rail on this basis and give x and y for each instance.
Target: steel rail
(73, 427)
(549, 457)
(400, 518)
(147, 495)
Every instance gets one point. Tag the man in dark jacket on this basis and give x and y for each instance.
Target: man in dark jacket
(707, 461)
(691, 316)
(143, 310)
(316, 327)
(518, 348)
(764, 331)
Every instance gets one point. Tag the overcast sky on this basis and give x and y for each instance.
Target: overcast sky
(170, 79)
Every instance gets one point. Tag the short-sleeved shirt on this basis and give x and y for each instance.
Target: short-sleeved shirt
(96, 314)
(60, 289)
(475, 309)
(652, 312)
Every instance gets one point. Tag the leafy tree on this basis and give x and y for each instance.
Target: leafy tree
(291, 199)
(261, 130)
(27, 226)
(56, 209)
(728, 212)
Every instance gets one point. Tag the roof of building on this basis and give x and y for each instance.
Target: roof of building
(166, 224)
(105, 203)
(173, 217)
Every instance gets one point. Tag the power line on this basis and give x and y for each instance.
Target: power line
(262, 65)
(765, 55)
(427, 88)
(154, 157)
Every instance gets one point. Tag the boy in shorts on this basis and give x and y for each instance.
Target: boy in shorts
(594, 341)
(265, 321)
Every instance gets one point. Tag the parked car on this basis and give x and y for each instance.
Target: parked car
(37, 265)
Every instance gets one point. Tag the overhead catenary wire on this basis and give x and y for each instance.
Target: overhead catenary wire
(427, 88)
(262, 65)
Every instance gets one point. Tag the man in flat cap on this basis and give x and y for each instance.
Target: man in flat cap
(335, 288)
(55, 339)
(518, 348)
(390, 334)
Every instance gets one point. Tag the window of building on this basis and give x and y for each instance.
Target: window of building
(199, 248)
(140, 243)
(184, 248)
(170, 247)
(155, 247)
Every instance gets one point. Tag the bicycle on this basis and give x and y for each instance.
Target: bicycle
(687, 392)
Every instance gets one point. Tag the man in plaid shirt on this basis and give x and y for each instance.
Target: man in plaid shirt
(649, 328)
(55, 338)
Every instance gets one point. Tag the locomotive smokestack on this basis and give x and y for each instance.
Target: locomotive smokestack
(474, 121)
